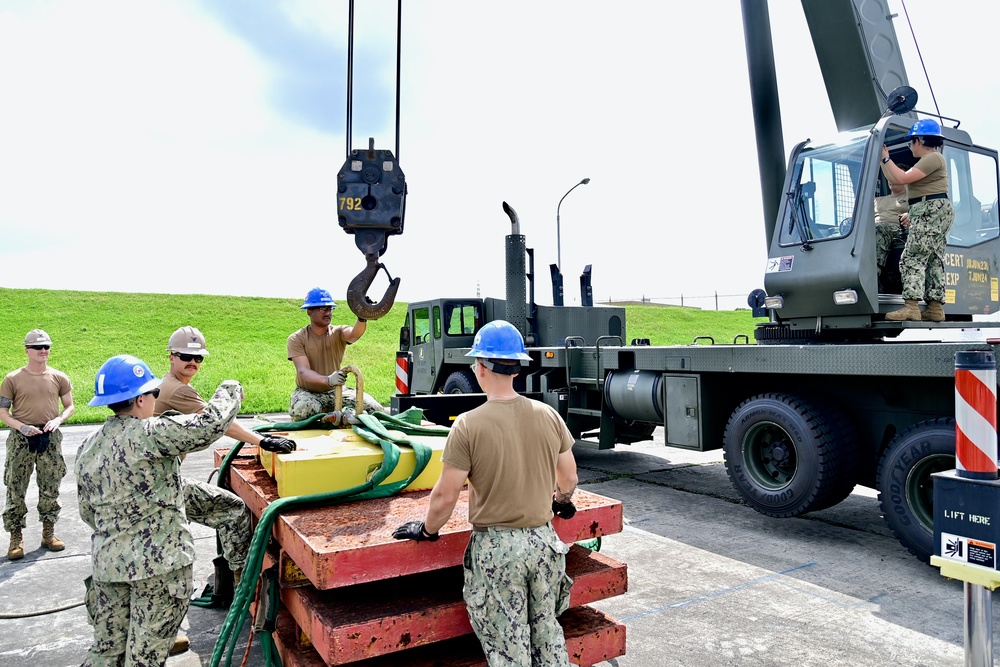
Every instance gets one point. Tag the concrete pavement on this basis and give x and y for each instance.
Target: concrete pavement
(711, 582)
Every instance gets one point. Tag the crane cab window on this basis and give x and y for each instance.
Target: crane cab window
(972, 188)
(462, 319)
(820, 204)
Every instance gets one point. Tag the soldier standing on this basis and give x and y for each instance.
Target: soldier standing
(129, 489)
(931, 215)
(29, 405)
(518, 456)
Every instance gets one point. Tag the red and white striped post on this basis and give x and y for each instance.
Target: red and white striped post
(403, 373)
(976, 414)
(976, 458)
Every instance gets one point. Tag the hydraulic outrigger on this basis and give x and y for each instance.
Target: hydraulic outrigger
(371, 197)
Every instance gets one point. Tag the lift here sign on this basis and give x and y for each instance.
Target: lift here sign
(967, 550)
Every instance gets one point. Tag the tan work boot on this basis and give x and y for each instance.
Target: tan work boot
(49, 539)
(181, 644)
(16, 550)
(934, 312)
(910, 312)
(237, 575)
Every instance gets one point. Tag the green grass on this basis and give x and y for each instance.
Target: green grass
(246, 336)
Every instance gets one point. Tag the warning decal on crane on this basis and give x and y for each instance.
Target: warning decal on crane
(968, 550)
(779, 264)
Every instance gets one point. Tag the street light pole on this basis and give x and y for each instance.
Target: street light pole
(558, 232)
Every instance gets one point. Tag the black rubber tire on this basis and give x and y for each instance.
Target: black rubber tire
(786, 455)
(905, 485)
(461, 382)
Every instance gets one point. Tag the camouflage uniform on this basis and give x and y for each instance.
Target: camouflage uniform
(305, 403)
(515, 587)
(129, 488)
(224, 511)
(20, 461)
(922, 262)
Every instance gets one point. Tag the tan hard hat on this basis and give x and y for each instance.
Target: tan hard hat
(37, 337)
(187, 340)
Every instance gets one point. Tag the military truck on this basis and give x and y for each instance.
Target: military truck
(827, 396)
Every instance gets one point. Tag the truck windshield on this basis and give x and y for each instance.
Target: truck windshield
(820, 204)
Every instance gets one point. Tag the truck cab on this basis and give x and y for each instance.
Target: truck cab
(820, 279)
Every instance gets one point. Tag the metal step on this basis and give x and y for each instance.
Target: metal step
(583, 411)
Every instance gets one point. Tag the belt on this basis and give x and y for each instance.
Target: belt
(486, 529)
(917, 200)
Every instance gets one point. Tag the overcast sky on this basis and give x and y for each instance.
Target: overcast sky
(192, 147)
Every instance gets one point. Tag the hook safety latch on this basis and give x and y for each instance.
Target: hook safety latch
(357, 297)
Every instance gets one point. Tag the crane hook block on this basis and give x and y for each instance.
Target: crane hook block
(357, 298)
(371, 198)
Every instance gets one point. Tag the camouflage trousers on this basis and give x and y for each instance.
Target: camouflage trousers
(922, 262)
(305, 404)
(136, 622)
(515, 587)
(886, 233)
(20, 462)
(224, 511)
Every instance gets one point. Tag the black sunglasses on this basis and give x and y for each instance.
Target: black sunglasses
(154, 392)
(189, 357)
(38, 347)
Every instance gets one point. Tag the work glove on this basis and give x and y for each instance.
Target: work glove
(335, 378)
(563, 510)
(38, 443)
(414, 530)
(277, 443)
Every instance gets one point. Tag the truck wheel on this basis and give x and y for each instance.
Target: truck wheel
(786, 456)
(460, 382)
(905, 486)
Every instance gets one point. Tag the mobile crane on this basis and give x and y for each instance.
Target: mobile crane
(826, 398)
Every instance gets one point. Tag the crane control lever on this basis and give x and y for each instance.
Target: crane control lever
(371, 196)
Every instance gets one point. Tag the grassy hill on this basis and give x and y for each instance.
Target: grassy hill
(246, 337)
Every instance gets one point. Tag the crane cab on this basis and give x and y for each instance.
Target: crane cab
(821, 279)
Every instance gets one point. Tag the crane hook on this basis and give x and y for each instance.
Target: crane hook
(357, 297)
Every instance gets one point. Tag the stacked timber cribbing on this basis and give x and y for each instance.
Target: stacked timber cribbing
(352, 595)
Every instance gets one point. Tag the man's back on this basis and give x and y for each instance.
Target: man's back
(509, 447)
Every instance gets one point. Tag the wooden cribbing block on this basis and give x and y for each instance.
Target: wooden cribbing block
(351, 543)
(358, 622)
(591, 637)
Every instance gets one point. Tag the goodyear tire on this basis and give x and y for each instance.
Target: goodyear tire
(461, 382)
(786, 455)
(905, 486)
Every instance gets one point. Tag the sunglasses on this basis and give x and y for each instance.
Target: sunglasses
(197, 358)
(154, 392)
(38, 347)
(323, 309)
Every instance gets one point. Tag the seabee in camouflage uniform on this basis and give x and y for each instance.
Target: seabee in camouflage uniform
(317, 350)
(921, 265)
(518, 457)
(29, 405)
(129, 491)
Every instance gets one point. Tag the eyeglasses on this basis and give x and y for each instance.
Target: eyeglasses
(323, 309)
(38, 347)
(197, 358)
(154, 392)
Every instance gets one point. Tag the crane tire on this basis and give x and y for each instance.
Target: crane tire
(787, 455)
(904, 482)
(461, 382)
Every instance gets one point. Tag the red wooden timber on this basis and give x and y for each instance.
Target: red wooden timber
(351, 543)
(591, 637)
(368, 620)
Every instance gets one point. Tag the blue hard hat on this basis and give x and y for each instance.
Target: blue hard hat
(121, 378)
(925, 127)
(318, 298)
(499, 339)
